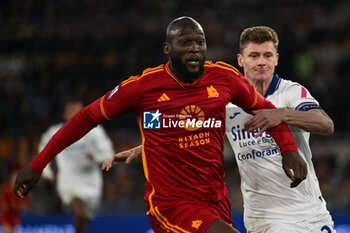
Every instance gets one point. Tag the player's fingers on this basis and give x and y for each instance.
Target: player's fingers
(254, 123)
(250, 124)
(103, 166)
(106, 165)
(25, 189)
(298, 174)
(128, 160)
(304, 172)
(122, 156)
(301, 176)
(295, 182)
(289, 172)
(263, 129)
(131, 157)
(18, 188)
(22, 190)
(17, 191)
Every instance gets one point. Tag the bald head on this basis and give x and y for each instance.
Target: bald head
(182, 26)
(186, 48)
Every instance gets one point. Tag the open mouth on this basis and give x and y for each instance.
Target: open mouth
(193, 61)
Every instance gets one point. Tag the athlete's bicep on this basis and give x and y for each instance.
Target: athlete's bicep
(120, 100)
(246, 97)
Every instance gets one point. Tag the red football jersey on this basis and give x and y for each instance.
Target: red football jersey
(182, 127)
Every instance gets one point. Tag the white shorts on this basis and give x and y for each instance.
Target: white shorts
(92, 203)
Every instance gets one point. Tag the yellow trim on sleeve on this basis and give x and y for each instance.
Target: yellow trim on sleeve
(103, 110)
(255, 100)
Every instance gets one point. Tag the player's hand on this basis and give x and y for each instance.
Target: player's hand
(265, 118)
(125, 156)
(26, 179)
(295, 167)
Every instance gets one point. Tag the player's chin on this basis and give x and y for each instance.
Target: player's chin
(193, 70)
(262, 76)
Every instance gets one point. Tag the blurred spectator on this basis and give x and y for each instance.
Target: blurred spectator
(78, 178)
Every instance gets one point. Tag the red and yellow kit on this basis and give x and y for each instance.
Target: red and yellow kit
(182, 127)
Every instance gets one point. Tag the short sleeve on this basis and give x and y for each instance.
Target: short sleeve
(299, 98)
(122, 99)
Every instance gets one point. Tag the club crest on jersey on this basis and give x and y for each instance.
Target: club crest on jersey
(151, 120)
(212, 92)
(112, 92)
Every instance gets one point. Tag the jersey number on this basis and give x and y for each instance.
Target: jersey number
(326, 229)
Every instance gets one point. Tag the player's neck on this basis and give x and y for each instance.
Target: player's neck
(261, 86)
(184, 76)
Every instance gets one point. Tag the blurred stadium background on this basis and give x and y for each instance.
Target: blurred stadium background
(51, 51)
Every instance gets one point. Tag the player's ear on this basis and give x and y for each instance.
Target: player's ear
(239, 60)
(166, 48)
(277, 56)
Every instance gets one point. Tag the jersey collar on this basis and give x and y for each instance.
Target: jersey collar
(273, 86)
(183, 84)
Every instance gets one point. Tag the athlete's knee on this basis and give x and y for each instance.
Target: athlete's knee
(79, 208)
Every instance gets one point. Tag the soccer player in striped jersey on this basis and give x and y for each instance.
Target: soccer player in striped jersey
(180, 107)
(269, 204)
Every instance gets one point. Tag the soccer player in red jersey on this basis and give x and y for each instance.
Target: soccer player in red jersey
(180, 107)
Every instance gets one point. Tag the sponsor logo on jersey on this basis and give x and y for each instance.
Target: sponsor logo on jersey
(152, 120)
(240, 134)
(163, 97)
(234, 115)
(252, 155)
(193, 140)
(247, 141)
(190, 118)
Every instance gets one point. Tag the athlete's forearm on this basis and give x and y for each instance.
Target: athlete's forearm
(281, 132)
(313, 121)
(79, 125)
(283, 138)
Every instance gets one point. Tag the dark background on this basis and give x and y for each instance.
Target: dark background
(52, 51)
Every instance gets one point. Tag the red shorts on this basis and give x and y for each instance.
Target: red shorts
(189, 216)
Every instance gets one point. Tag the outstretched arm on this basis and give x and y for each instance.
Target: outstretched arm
(125, 156)
(313, 121)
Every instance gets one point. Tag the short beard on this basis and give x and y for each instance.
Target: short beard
(182, 73)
